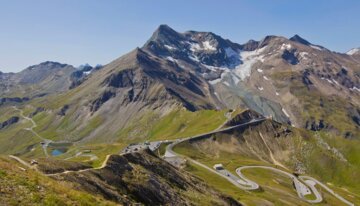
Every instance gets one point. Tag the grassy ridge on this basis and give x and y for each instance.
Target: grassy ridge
(20, 187)
(182, 123)
(320, 163)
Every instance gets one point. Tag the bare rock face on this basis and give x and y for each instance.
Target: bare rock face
(104, 97)
(244, 117)
(12, 100)
(63, 110)
(149, 80)
(289, 56)
(270, 61)
(314, 125)
(9, 122)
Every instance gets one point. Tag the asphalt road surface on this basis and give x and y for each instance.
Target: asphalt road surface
(304, 187)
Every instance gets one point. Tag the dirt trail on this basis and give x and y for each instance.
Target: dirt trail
(271, 154)
(45, 142)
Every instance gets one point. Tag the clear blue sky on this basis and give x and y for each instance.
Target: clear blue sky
(94, 31)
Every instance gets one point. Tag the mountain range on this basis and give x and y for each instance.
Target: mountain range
(182, 84)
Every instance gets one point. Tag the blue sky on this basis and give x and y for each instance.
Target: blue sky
(96, 32)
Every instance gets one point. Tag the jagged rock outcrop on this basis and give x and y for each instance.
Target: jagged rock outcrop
(244, 117)
(37, 110)
(289, 56)
(63, 110)
(314, 125)
(9, 122)
(13, 100)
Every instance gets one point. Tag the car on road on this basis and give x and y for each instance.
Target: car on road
(218, 167)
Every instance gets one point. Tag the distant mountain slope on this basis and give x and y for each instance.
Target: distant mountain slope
(354, 51)
(291, 80)
(180, 85)
(42, 79)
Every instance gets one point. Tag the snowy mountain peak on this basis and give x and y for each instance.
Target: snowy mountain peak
(353, 51)
(191, 46)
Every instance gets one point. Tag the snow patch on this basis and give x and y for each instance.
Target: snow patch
(353, 51)
(208, 46)
(226, 83)
(239, 68)
(277, 94)
(248, 58)
(87, 73)
(212, 68)
(215, 81)
(329, 80)
(284, 111)
(316, 47)
(285, 46)
(260, 70)
(230, 52)
(265, 77)
(170, 59)
(335, 82)
(304, 55)
(169, 47)
(194, 47)
(355, 88)
(260, 88)
(194, 58)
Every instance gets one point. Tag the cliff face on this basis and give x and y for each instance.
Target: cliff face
(144, 178)
(9, 122)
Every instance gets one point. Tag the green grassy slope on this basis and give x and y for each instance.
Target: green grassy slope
(318, 161)
(148, 127)
(19, 187)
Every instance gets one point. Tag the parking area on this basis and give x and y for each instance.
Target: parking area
(140, 146)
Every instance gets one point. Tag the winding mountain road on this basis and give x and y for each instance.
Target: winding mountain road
(45, 142)
(304, 187)
(307, 178)
(26, 164)
(301, 188)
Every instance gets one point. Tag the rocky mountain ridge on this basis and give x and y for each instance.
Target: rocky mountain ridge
(290, 80)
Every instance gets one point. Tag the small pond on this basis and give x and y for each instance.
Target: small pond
(56, 152)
